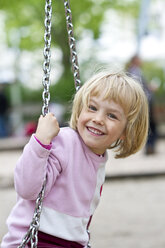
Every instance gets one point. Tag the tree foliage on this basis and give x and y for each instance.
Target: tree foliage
(87, 14)
(26, 19)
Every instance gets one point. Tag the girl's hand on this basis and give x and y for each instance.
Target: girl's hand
(47, 128)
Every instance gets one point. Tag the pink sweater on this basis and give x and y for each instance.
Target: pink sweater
(74, 179)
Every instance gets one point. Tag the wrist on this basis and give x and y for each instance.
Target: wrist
(43, 140)
(48, 147)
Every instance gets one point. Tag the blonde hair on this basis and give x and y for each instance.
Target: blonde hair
(125, 91)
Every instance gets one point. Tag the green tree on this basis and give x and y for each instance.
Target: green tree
(27, 17)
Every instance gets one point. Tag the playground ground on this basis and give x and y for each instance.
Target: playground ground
(131, 213)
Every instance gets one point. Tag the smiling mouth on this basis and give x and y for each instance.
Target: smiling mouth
(94, 131)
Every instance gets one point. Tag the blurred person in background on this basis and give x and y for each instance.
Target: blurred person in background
(134, 68)
(4, 106)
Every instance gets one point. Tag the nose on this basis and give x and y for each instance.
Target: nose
(98, 118)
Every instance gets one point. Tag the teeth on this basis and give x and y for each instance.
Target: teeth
(94, 131)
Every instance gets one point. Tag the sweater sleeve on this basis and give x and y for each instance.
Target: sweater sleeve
(35, 163)
(48, 147)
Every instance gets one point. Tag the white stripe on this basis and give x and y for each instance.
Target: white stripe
(100, 181)
(64, 226)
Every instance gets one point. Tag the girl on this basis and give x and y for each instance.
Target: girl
(109, 111)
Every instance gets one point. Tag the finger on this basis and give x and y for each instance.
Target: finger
(51, 113)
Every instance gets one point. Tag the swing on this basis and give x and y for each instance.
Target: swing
(32, 233)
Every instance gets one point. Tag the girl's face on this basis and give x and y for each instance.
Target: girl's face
(101, 124)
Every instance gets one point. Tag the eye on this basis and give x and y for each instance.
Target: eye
(92, 107)
(112, 116)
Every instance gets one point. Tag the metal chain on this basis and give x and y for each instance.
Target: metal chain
(88, 245)
(47, 56)
(73, 55)
(72, 45)
(32, 233)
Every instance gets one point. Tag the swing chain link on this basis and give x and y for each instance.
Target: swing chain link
(47, 56)
(74, 58)
(72, 45)
(32, 233)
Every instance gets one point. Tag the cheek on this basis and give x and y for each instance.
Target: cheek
(116, 131)
(81, 123)
(81, 118)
